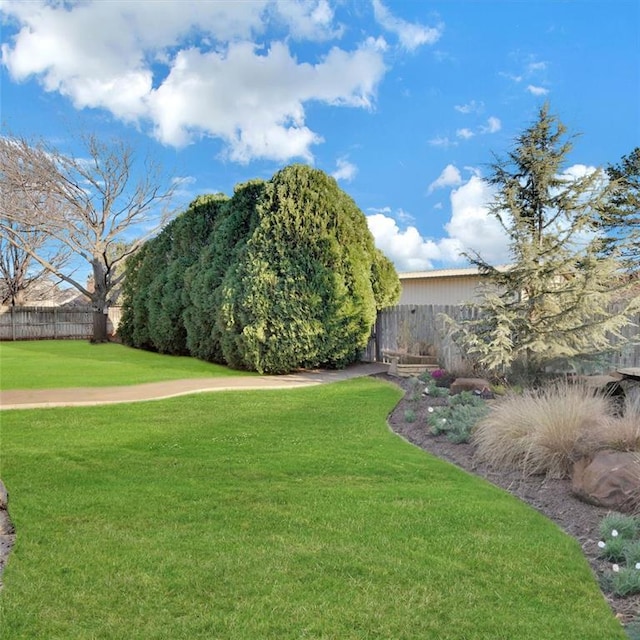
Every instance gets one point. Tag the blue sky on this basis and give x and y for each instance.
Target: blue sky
(404, 102)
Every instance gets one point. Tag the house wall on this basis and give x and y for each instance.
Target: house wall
(446, 290)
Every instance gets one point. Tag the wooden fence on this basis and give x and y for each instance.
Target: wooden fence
(420, 328)
(409, 328)
(42, 323)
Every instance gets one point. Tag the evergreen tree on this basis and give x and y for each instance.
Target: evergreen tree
(283, 275)
(621, 214)
(236, 222)
(301, 293)
(556, 299)
(154, 297)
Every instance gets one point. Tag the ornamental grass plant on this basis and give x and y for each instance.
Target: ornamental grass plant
(543, 431)
(623, 432)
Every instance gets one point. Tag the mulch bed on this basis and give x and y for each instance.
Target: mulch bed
(550, 496)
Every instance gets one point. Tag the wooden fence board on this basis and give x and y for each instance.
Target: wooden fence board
(42, 323)
(409, 328)
(412, 328)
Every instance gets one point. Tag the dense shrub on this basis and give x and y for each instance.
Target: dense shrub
(301, 291)
(236, 222)
(154, 297)
(283, 275)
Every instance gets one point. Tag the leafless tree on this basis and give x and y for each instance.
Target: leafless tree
(87, 208)
(18, 270)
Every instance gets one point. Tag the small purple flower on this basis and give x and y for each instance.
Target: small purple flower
(436, 374)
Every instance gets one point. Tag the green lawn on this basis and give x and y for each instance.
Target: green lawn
(51, 364)
(273, 515)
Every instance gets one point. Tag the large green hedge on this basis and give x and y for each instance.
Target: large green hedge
(283, 275)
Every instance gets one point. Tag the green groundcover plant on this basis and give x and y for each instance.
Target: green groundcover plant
(277, 515)
(620, 545)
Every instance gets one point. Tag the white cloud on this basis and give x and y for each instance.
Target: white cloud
(471, 225)
(405, 248)
(442, 141)
(493, 125)
(449, 177)
(474, 171)
(511, 76)
(130, 58)
(533, 67)
(470, 229)
(534, 72)
(537, 91)
(464, 133)
(471, 107)
(411, 35)
(255, 102)
(345, 170)
(577, 171)
(308, 20)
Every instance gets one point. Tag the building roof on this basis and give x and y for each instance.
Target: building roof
(444, 273)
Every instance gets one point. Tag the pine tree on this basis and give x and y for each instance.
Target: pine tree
(621, 215)
(560, 298)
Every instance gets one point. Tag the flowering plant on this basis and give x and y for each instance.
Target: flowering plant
(621, 546)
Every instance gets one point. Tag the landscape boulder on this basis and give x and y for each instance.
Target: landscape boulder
(476, 385)
(610, 479)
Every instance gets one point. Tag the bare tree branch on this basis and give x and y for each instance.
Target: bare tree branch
(85, 207)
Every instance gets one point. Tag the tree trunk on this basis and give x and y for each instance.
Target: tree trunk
(17, 298)
(99, 300)
(99, 326)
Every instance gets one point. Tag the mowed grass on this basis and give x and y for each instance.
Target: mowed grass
(273, 515)
(54, 364)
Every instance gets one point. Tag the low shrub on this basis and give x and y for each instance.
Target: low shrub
(625, 527)
(440, 377)
(632, 553)
(625, 581)
(458, 420)
(415, 388)
(633, 629)
(621, 546)
(434, 391)
(612, 549)
(467, 398)
(542, 431)
(409, 415)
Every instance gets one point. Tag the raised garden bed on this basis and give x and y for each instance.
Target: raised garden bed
(406, 365)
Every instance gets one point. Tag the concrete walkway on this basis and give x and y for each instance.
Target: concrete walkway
(84, 396)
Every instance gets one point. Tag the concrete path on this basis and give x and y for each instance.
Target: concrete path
(83, 396)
